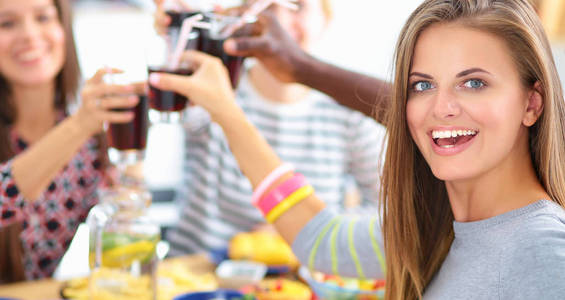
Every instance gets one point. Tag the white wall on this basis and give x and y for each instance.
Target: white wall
(363, 34)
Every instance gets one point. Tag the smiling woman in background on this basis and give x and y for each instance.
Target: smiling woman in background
(474, 180)
(50, 163)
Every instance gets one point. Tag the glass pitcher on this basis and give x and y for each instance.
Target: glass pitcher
(122, 246)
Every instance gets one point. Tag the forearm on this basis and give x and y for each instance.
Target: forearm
(363, 93)
(344, 245)
(34, 169)
(256, 160)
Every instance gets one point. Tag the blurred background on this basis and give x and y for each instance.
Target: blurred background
(361, 37)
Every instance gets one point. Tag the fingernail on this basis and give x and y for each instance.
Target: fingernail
(132, 98)
(229, 46)
(154, 78)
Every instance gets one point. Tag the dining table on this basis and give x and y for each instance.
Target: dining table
(48, 289)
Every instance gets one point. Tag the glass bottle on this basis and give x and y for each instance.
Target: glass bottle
(122, 246)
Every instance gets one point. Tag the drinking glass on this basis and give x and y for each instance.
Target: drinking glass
(212, 42)
(167, 104)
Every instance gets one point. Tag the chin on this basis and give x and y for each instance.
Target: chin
(452, 173)
(36, 78)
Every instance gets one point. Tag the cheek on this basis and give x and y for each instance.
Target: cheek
(5, 43)
(415, 116)
(503, 113)
(57, 36)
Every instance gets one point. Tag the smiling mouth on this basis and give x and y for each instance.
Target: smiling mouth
(451, 138)
(31, 55)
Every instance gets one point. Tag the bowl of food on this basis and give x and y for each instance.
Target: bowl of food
(278, 289)
(331, 287)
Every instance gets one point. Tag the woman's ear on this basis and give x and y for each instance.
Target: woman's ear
(535, 105)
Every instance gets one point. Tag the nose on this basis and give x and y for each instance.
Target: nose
(30, 29)
(446, 105)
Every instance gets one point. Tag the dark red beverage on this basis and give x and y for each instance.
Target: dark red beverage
(132, 135)
(178, 17)
(167, 101)
(215, 47)
(176, 22)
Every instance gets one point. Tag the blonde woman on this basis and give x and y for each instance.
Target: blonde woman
(474, 182)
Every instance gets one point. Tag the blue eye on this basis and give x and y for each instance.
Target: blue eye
(421, 86)
(474, 84)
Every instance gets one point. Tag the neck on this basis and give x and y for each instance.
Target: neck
(35, 107)
(274, 90)
(508, 186)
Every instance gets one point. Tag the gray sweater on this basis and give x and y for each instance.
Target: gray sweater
(516, 255)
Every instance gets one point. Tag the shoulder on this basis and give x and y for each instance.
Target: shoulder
(541, 234)
(534, 266)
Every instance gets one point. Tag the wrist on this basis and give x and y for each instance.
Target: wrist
(82, 125)
(303, 65)
(228, 117)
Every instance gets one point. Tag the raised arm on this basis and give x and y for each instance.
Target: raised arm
(289, 63)
(210, 88)
(35, 168)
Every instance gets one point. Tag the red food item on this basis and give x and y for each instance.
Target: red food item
(379, 284)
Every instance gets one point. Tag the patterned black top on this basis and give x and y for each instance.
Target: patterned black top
(50, 223)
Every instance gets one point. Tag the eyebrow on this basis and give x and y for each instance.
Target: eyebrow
(471, 71)
(460, 74)
(36, 9)
(421, 75)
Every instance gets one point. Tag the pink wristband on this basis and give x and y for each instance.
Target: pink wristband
(269, 180)
(281, 192)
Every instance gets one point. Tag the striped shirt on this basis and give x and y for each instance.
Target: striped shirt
(326, 142)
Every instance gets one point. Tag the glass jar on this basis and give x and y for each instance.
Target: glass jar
(122, 246)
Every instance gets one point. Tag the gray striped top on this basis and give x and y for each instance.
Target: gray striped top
(328, 143)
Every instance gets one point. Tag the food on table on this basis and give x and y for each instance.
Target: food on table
(173, 278)
(335, 287)
(279, 289)
(262, 246)
(117, 284)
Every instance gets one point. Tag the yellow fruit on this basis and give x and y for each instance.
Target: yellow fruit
(266, 247)
(125, 255)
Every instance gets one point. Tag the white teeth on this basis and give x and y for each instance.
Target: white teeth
(30, 55)
(444, 134)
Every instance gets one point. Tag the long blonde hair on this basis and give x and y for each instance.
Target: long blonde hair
(418, 220)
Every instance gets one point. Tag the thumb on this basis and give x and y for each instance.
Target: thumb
(171, 82)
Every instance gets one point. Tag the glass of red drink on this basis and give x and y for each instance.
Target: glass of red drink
(167, 105)
(127, 141)
(212, 42)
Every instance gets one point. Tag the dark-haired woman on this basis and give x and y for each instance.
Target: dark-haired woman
(51, 163)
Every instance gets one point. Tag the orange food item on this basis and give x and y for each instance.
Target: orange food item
(280, 289)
